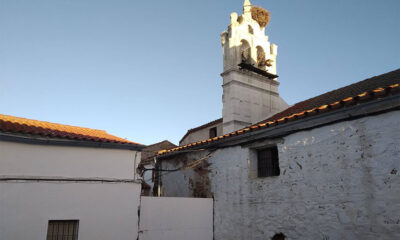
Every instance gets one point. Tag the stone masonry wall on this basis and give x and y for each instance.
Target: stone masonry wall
(340, 181)
(337, 182)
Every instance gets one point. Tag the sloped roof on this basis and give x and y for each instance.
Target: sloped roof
(150, 150)
(366, 90)
(217, 121)
(355, 89)
(11, 124)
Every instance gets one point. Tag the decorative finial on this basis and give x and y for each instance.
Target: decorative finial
(246, 6)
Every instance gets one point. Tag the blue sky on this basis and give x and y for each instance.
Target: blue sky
(149, 70)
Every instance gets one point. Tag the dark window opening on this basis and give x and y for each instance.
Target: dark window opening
(213, 132)
(251, 31)
(268, 162)
(62, 229)
(245, 51)
(278, 236)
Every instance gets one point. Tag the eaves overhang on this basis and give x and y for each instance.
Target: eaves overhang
(373, 107)
(41, 140)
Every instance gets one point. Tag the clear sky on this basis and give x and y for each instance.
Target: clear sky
(149, 70)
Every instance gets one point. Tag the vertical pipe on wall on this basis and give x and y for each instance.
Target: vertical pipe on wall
(135, 166)
(158, 177)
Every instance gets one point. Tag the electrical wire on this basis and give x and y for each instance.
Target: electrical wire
(191, 165)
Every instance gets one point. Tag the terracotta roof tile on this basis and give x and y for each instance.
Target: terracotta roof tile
(13, 124)
(368, 89)
(342, 94)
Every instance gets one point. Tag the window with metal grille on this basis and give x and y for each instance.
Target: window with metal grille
(213, 132)
(268, 162)
(62, 230)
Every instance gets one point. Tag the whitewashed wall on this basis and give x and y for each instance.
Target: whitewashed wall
(176, 218)
(340, 181)
(248, 98)
(337, 182)
(40, 160)
(104, 210)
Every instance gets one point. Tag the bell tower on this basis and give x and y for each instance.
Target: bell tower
(250, 86)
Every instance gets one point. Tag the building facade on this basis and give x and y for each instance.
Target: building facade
(147, 165)
(250, 81)
(325, 168)
(250, 86)
(64, 182)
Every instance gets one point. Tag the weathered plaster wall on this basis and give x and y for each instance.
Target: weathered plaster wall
(337, 182)
(147, 161)
(340, 181)
(148, 179)
(193, 182)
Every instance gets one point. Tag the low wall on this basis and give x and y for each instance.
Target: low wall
(104, 210)
(176, 218)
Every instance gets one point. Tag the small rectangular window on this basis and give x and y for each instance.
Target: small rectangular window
(62, 229)
(213, 132)
(268, 162)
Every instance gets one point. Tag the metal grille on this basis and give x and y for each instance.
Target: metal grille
(268, 162)
(63, 230)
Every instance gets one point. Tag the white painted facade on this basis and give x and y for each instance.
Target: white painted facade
(248, 97)
(93, 185)
(19, 159)
(245, 37)
(176, 218)
(104, 210)
(339, 181)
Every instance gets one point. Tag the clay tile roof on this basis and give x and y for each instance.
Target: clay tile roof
(341, 94)
(11, 124)
(217, 121)
(150, 150)
(371, 88)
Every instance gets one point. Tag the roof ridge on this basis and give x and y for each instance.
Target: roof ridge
(166, 141)
(340, 93)
(53, 123)
(321, 109)
(350, 85)
(14, 124)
